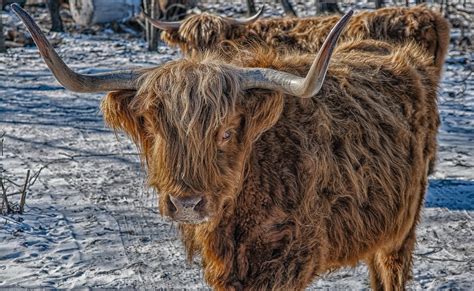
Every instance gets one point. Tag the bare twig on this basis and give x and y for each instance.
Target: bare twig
(1, 143)
(23, 194)
(7, 207)
(35, 176)
(2, 185)
(5, 203)
(5, 179)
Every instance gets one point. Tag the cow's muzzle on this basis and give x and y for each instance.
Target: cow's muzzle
(188, 209)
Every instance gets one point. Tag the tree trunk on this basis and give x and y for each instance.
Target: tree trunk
(57, 23)
(327, 7)
(155, 13)
(378, 4)
(169, 10)
(151, 7)
(288, 8)
(2, 36)
(251, 7)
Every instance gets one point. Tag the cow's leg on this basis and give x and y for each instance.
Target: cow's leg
(375, 276)
(395, 267)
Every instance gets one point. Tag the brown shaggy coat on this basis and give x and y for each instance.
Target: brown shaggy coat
(421, 24)
(305, 186)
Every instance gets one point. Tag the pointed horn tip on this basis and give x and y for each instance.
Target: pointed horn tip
(16, 8)
(22, 14)
(245, 21)
(349, 13)
(259, 12)
(294, 85)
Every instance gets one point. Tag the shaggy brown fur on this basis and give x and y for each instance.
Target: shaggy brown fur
(421, 24)
(304, 186)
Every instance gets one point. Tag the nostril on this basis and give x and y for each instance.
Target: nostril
(171, 206)
(200, 205)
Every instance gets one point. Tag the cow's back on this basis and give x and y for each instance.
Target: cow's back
(351, 161)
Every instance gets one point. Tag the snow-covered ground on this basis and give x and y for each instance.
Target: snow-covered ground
(90, 221)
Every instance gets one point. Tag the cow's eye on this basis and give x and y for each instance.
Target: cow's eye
(226, 135)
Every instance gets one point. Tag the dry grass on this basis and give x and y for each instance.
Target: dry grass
(9, 189)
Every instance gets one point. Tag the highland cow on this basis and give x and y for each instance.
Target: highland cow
(397, 24)
(279, 167)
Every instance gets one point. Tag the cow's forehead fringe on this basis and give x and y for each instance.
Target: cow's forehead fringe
(193, 96)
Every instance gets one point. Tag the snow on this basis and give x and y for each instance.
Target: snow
(90, 221)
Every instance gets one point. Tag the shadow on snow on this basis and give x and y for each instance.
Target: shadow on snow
(450, 193)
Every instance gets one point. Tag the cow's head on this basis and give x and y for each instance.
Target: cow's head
(201, 31)
(194, 119)
(194, 133)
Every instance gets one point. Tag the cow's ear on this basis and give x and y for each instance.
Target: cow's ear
(262, 111)
(119, 114)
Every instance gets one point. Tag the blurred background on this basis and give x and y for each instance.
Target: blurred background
(124, 16)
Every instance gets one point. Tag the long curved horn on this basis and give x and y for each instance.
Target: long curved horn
(163, 25)
(111, 81)
(294, 85)
(249, 20)
(174, 25)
